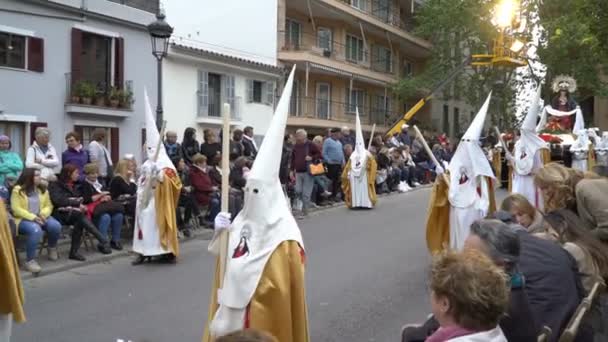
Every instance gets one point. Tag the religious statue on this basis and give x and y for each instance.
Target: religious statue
(564, 86)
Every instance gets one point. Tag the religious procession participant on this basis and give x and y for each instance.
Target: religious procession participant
(527, 157)
(465, 195)
(263, 285)
(158, 190)
(11, 292)
(359, 174)
(580, 151)
(601, 149)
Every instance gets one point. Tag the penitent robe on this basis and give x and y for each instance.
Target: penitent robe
(370, 178)
(11, 291)
(278, 305)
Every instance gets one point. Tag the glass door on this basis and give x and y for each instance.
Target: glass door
(323, 100)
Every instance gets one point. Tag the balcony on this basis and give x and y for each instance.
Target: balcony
(351, 60)
(87, 98)
(383, 11)
(308, 111)
(210, 110)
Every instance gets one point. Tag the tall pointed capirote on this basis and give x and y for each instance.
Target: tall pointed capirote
(153, 136)
(359, 142)
(476, 127)
(267, 161)
(529, 123)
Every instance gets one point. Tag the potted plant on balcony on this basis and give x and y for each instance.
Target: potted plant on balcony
(115, 96)
(87, 92)
(126, 99)
(100, 97)
(77, 91)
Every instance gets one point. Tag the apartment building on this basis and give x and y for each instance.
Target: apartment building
(198, 81)
(349, 54)
(76, 65)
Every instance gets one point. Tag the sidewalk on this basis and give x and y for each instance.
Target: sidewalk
(94, 257)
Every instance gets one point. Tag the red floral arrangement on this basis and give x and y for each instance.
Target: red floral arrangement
(552, 139)
(554, 126)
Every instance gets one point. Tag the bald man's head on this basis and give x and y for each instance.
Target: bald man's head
(171, 137)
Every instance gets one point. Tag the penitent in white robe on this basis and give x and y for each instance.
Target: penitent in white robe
(462, 218)
(579, 161)
(359, 190)
(524, 184)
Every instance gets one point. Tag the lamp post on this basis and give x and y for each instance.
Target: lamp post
(160, 32)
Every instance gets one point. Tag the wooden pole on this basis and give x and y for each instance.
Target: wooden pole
(502, 142)
(371, 137)
(430, 153)
(225, 187)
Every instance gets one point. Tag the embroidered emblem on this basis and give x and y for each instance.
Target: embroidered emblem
(243, 247)
(523, 155)
(463, 176)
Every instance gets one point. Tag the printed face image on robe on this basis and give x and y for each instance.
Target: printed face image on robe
(243, 247)
(463, 177)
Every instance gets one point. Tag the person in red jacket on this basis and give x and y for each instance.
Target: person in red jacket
(200, 180)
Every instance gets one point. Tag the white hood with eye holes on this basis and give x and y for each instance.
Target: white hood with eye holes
(265, 220)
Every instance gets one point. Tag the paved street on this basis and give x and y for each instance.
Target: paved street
(366, 278)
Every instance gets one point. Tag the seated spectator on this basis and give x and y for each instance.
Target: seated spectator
(200, 180)
(321, 182)
(42, 155)
(101, 209)
(123, 188)
(412, 179)
(247, 335)
(69, 210)
(211, 148)
(469, 295)
(173, 148)
(190, 145)
(524, 213)
(75, 154)
(5, 200)
(552, 280)
(186, 200)
(32, 208)
(10, 162)
(214, 168)
(385, 180)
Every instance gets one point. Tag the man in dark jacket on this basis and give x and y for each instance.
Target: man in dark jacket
(302, 154)
(250, 148)
(173, 148)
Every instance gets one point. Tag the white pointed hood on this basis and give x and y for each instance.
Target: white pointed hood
(265, 220)
(603, 144)
(529, 142)
(152, 139)
(582, 141)
(469, 162)
(358, 159)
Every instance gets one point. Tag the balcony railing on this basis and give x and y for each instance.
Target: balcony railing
(315, 108)
(334, 50)
(85, 93)
(213, 109)
(384, 11)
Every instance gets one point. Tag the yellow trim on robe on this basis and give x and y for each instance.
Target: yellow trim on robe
(372, 169)
(590, 159)
(492, 194)
(167, 196)
(497, 164)
(438, 219)
(278, 305)
(11, 291)
(545, 154)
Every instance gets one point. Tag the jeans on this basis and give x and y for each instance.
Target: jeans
(215, 206)
(322, 182)
(304, 184)
(103, 224)
(34, 233)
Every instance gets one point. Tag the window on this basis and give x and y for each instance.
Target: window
(354, 49)
(382, 59)
(323, 100)
(260, 92)
(324, 38)
(215, 94)
(354, 100)
(381, 108)
(360, 4)
(446, 119)
(408, 69)
(293, 33)
(294, 104)
(16, 132)
(12, 50)
(381, 9)
(257, 91)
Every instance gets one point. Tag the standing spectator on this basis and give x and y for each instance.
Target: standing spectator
(173, 148)
(250, 148)
(42, 155)
(75, 154)
(592, 205)
(285, 160)
(32, 210)
(404, 137)
(190, 146)
(303, 153)
(211, 148)
(348, 150)
(236, 145)
(123, 187)
(347, 138)
(99, 154)
(10, 162)
(100, 208)
(69, 210)
(333, 155)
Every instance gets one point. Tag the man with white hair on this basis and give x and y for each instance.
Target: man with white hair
(347, 138)
(42, 155)
(303, 153)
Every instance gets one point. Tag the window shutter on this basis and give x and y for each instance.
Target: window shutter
(33, 127)
(203, 93)
(229, 91)
(119, 68)
(269, 93)
(35, 54)
(114, 144)
(76, 53)
(249, 91)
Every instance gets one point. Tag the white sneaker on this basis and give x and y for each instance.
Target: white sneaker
(32, 266)
(53, 256)
(416, 184)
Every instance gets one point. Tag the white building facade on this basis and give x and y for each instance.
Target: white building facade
(76, 65)
(197, 82)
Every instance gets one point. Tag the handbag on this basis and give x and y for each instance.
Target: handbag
(314, 169)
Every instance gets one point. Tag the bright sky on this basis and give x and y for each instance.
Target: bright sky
(246, 28)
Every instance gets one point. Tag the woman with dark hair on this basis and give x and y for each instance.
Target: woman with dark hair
(75, 153)
(190, 146)
(69, 210)
(211, 147)
(32, 209)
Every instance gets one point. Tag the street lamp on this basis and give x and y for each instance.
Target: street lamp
(504, 13)
(160, 32)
